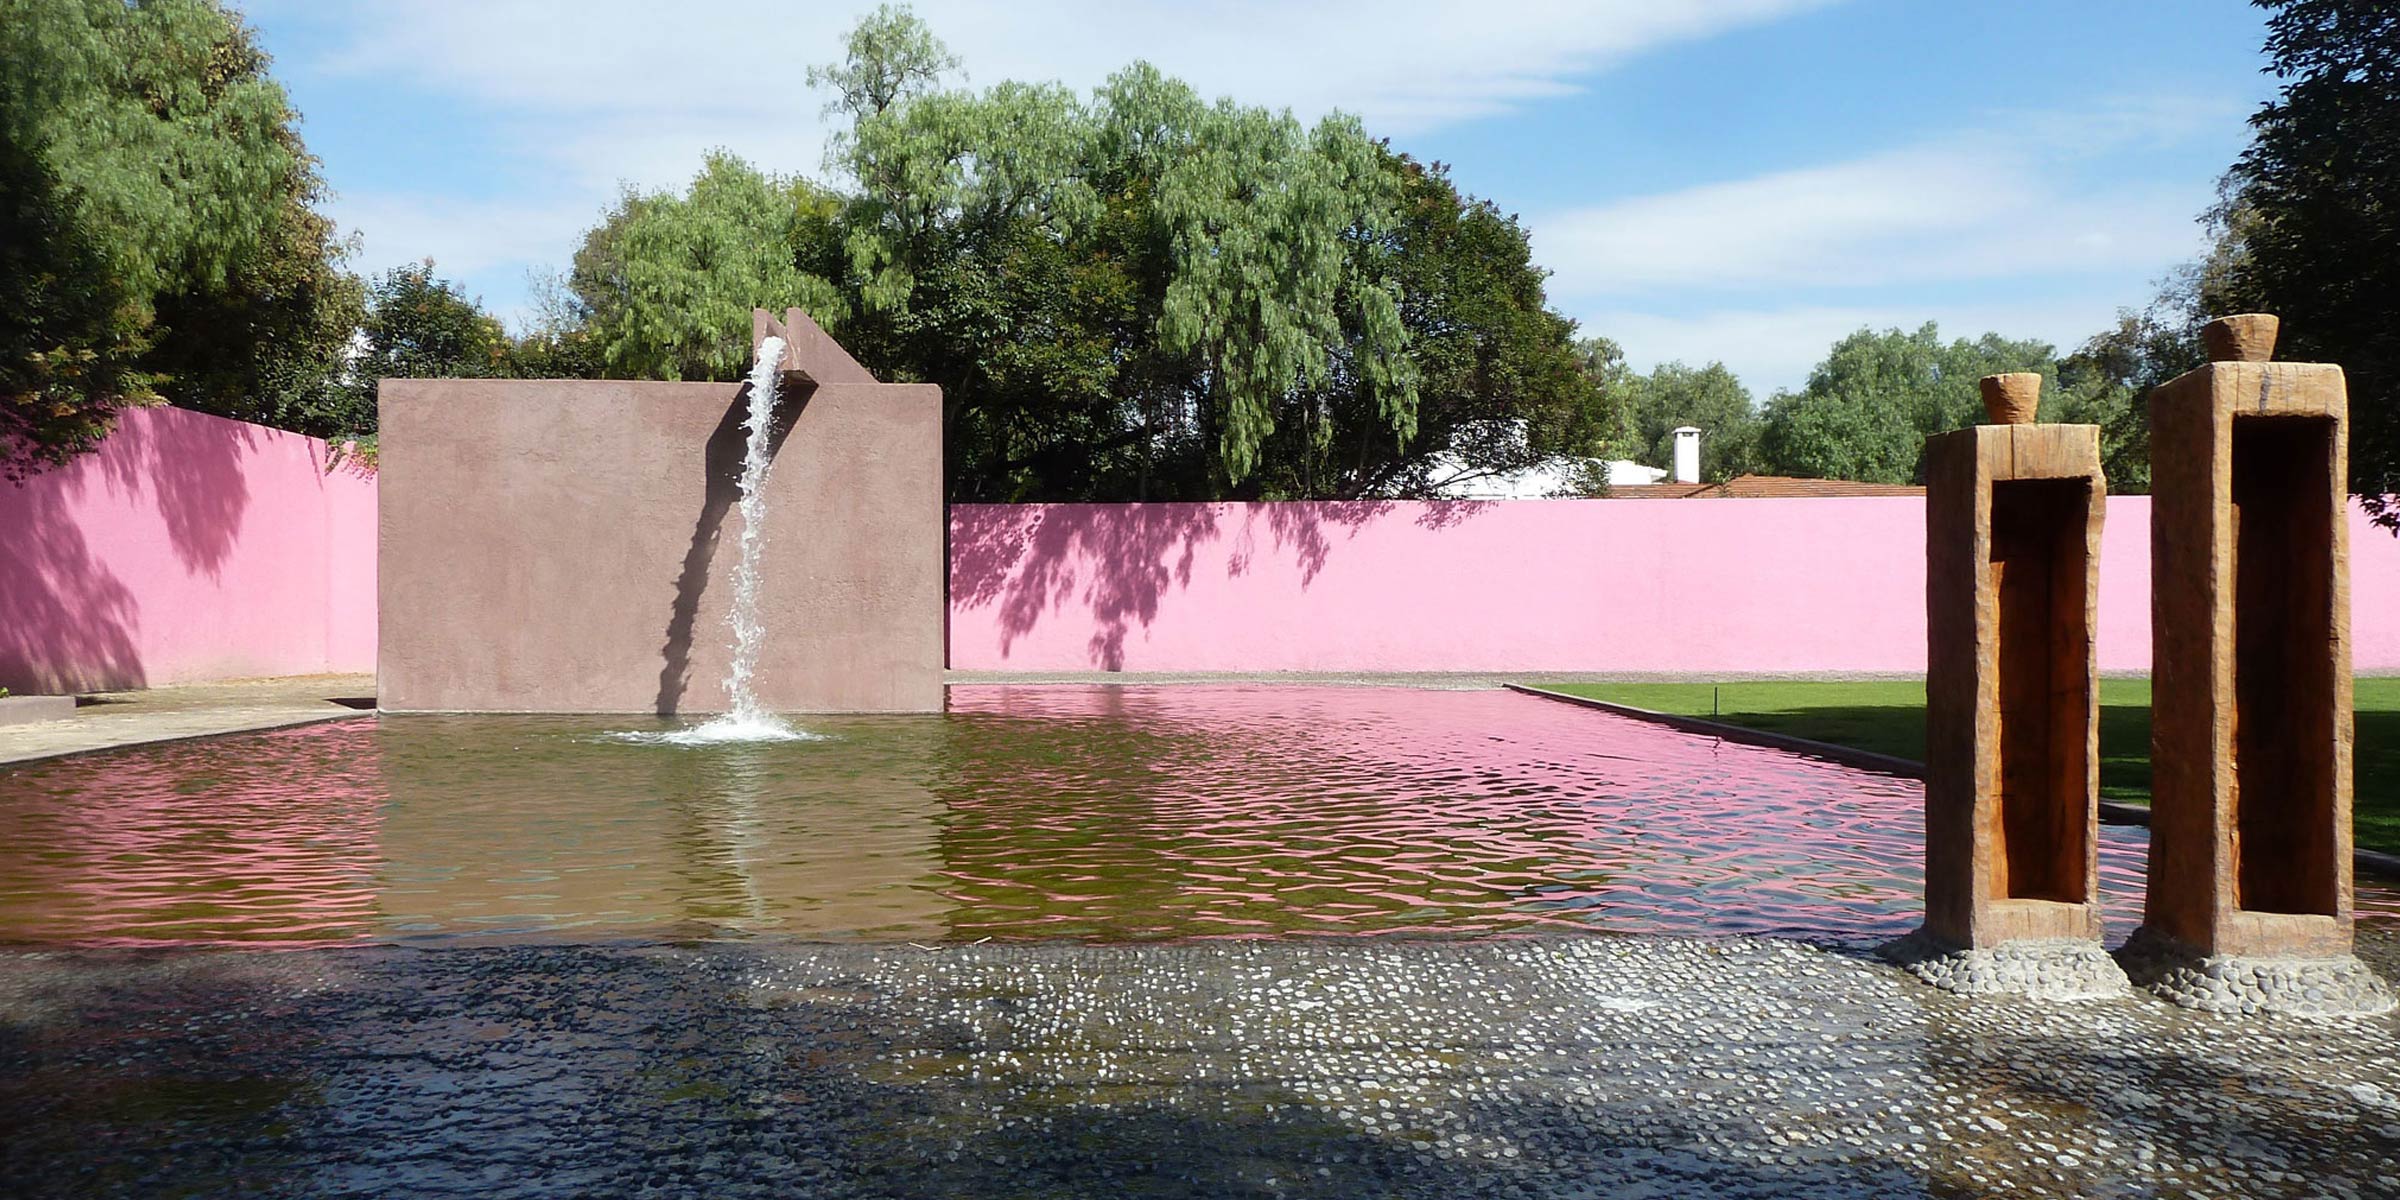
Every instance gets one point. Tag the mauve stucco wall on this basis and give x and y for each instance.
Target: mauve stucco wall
(568, 546)
(186, 547)
(1717, 587)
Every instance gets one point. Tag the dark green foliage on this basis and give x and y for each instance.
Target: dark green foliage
(1190, 273)
(1709, 399)
(2108, 383)
(420, 326)
(1499, 382)
(156, 234)
(1139, 295)
(2321, 181)
(1868, 408)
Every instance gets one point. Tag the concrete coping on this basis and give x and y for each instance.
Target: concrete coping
(2110, 811)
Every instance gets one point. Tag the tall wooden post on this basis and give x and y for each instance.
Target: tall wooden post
(2250, 735)
(2012, 569)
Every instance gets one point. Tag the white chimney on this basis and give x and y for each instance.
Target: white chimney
(1687, 455)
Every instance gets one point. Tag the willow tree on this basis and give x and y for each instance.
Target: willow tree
(667, 280)
(1134, 293)
(1207, 263)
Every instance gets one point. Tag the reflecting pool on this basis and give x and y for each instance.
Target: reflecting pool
(1089, 813)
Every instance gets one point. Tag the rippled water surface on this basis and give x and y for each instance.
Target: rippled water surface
(1094, 813)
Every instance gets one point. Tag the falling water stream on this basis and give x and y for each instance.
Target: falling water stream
(745, 719)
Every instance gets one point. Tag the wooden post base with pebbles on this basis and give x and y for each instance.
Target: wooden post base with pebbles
(2249, 897)
(2012, 572)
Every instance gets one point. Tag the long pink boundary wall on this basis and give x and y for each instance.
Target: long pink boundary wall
(1716, 587)
(190, 547)
(186, 547)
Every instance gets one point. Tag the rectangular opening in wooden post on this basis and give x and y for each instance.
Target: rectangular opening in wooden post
(2283, 696)
(2038, 577)
(2013, 515)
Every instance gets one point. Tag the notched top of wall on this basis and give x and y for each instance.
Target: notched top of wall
(555, 545)
(809, 353)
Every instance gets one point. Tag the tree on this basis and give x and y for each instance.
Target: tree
(1226, 257)
(421, 326)
(557, 342)
(1500, 380)
(667, 282)
(2321, 182)
(1710, 399)
(1867, 409)
(1134, 293)
(156, 234)
(416, 325)
(892, 56)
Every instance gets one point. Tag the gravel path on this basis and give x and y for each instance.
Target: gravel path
(1591, 1066)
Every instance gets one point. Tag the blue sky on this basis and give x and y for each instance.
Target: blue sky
(1738, 180)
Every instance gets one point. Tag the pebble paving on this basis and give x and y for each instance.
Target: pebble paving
(1598, 1066)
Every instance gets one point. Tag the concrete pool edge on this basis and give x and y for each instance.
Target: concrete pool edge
(183, 712)
(2111, 812)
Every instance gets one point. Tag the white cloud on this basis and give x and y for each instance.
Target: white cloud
(609, 93)
(1983, 204)
(1404, 65)
(1774, 348)
(1765, 273)
(463, 237)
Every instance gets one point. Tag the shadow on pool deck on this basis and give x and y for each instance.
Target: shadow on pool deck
(434, 1099)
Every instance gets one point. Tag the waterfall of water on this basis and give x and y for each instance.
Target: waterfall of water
(745, 719)
(749, 632)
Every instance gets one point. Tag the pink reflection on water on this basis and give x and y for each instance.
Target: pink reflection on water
(184, 843)
(1316, 810)
(1026, 812)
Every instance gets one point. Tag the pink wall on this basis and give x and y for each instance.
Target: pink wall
(190, 547)
(186, 547)
(1717, 587)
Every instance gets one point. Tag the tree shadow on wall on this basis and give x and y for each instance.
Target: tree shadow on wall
(1119, 560)
(191, 465)
(721, 488)
(66, 620)
(1300, 529)
(1305, 529)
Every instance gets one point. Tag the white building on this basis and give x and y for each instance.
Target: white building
(1564, 476)
(1550, 480)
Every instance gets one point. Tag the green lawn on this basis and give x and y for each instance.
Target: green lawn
(1888, 717)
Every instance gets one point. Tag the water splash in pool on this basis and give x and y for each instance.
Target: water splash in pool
(725, 729)
(745, 720)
